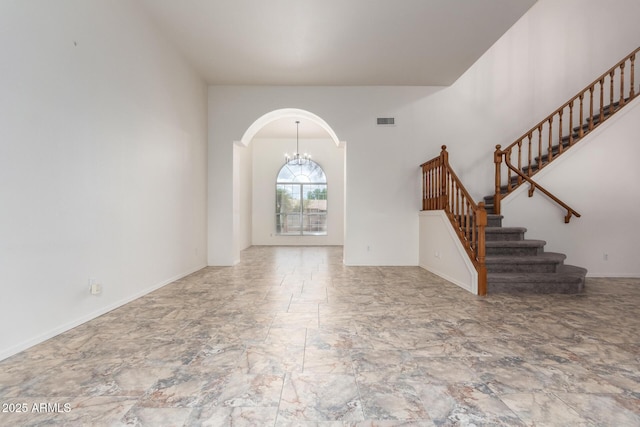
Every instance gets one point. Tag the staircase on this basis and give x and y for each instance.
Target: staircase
(504, 259)
(515, 264)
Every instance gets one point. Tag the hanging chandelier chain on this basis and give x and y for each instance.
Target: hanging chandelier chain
(297, 159)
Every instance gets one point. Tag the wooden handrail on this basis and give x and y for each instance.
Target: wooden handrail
(570, 211)
(556, 133)
(443, 190)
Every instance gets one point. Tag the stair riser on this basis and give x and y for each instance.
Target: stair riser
(514, 251)
(494, 222)
(535, 288)
(503, 237)
(550, 267)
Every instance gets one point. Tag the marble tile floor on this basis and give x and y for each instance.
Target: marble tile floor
(292, 337)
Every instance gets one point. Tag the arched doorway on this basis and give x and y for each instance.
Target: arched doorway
(258, 157)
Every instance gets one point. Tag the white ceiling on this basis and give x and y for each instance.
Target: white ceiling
(334, 42)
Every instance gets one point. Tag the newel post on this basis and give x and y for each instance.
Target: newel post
(481, 249)
(444, 167)
(497, 159)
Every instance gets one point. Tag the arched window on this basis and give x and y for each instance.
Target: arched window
(301, 200)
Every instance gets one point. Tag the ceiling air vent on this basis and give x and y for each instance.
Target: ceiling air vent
(386, 121)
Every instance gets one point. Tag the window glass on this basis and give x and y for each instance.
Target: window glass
(301, 200)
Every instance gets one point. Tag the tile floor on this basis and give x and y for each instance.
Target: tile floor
(292, 337)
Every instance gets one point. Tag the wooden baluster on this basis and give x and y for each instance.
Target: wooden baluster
(447, 189)
(508, 157)
(539, 147)
(436, 171)
(519, 161)
(570, 123)
(460, 208)
(445, 166)
(550, 147)
(423, 188)
(474, 232)
(560, 132)
(611, 76)
(439, 189)
(436, 183)
(465, 207)
(581, 130)
(427, 186)
(591, 89)
(450, 189)
(434, 186)
(431, 188)
(427, 189)
(436, 195)
(530, 160)
(497, 161)
(621, 85)
(632, 91)
(457, 204)
(428, 178)
(601, 100)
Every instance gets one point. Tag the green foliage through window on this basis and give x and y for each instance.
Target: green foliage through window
(301, 200)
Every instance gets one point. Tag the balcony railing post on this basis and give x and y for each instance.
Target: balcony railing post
(497, 159)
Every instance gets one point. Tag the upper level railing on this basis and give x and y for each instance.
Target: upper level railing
(562, 129)
(442, 190)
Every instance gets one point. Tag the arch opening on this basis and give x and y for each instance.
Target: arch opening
(287, 113)
(258, 160)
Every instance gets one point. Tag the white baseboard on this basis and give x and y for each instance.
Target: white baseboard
(6, 353)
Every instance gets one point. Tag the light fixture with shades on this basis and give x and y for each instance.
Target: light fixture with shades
(297, 158)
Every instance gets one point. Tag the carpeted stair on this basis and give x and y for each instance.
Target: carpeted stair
(515, 264)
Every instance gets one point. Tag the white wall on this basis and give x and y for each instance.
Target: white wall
(600, 179)
(103, 165)
(442, 253)
(267, 162)
(243, 164)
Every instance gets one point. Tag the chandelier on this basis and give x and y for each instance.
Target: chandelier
(297, 158)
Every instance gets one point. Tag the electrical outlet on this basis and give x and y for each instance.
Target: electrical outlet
(96, 289)
(605, 256)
